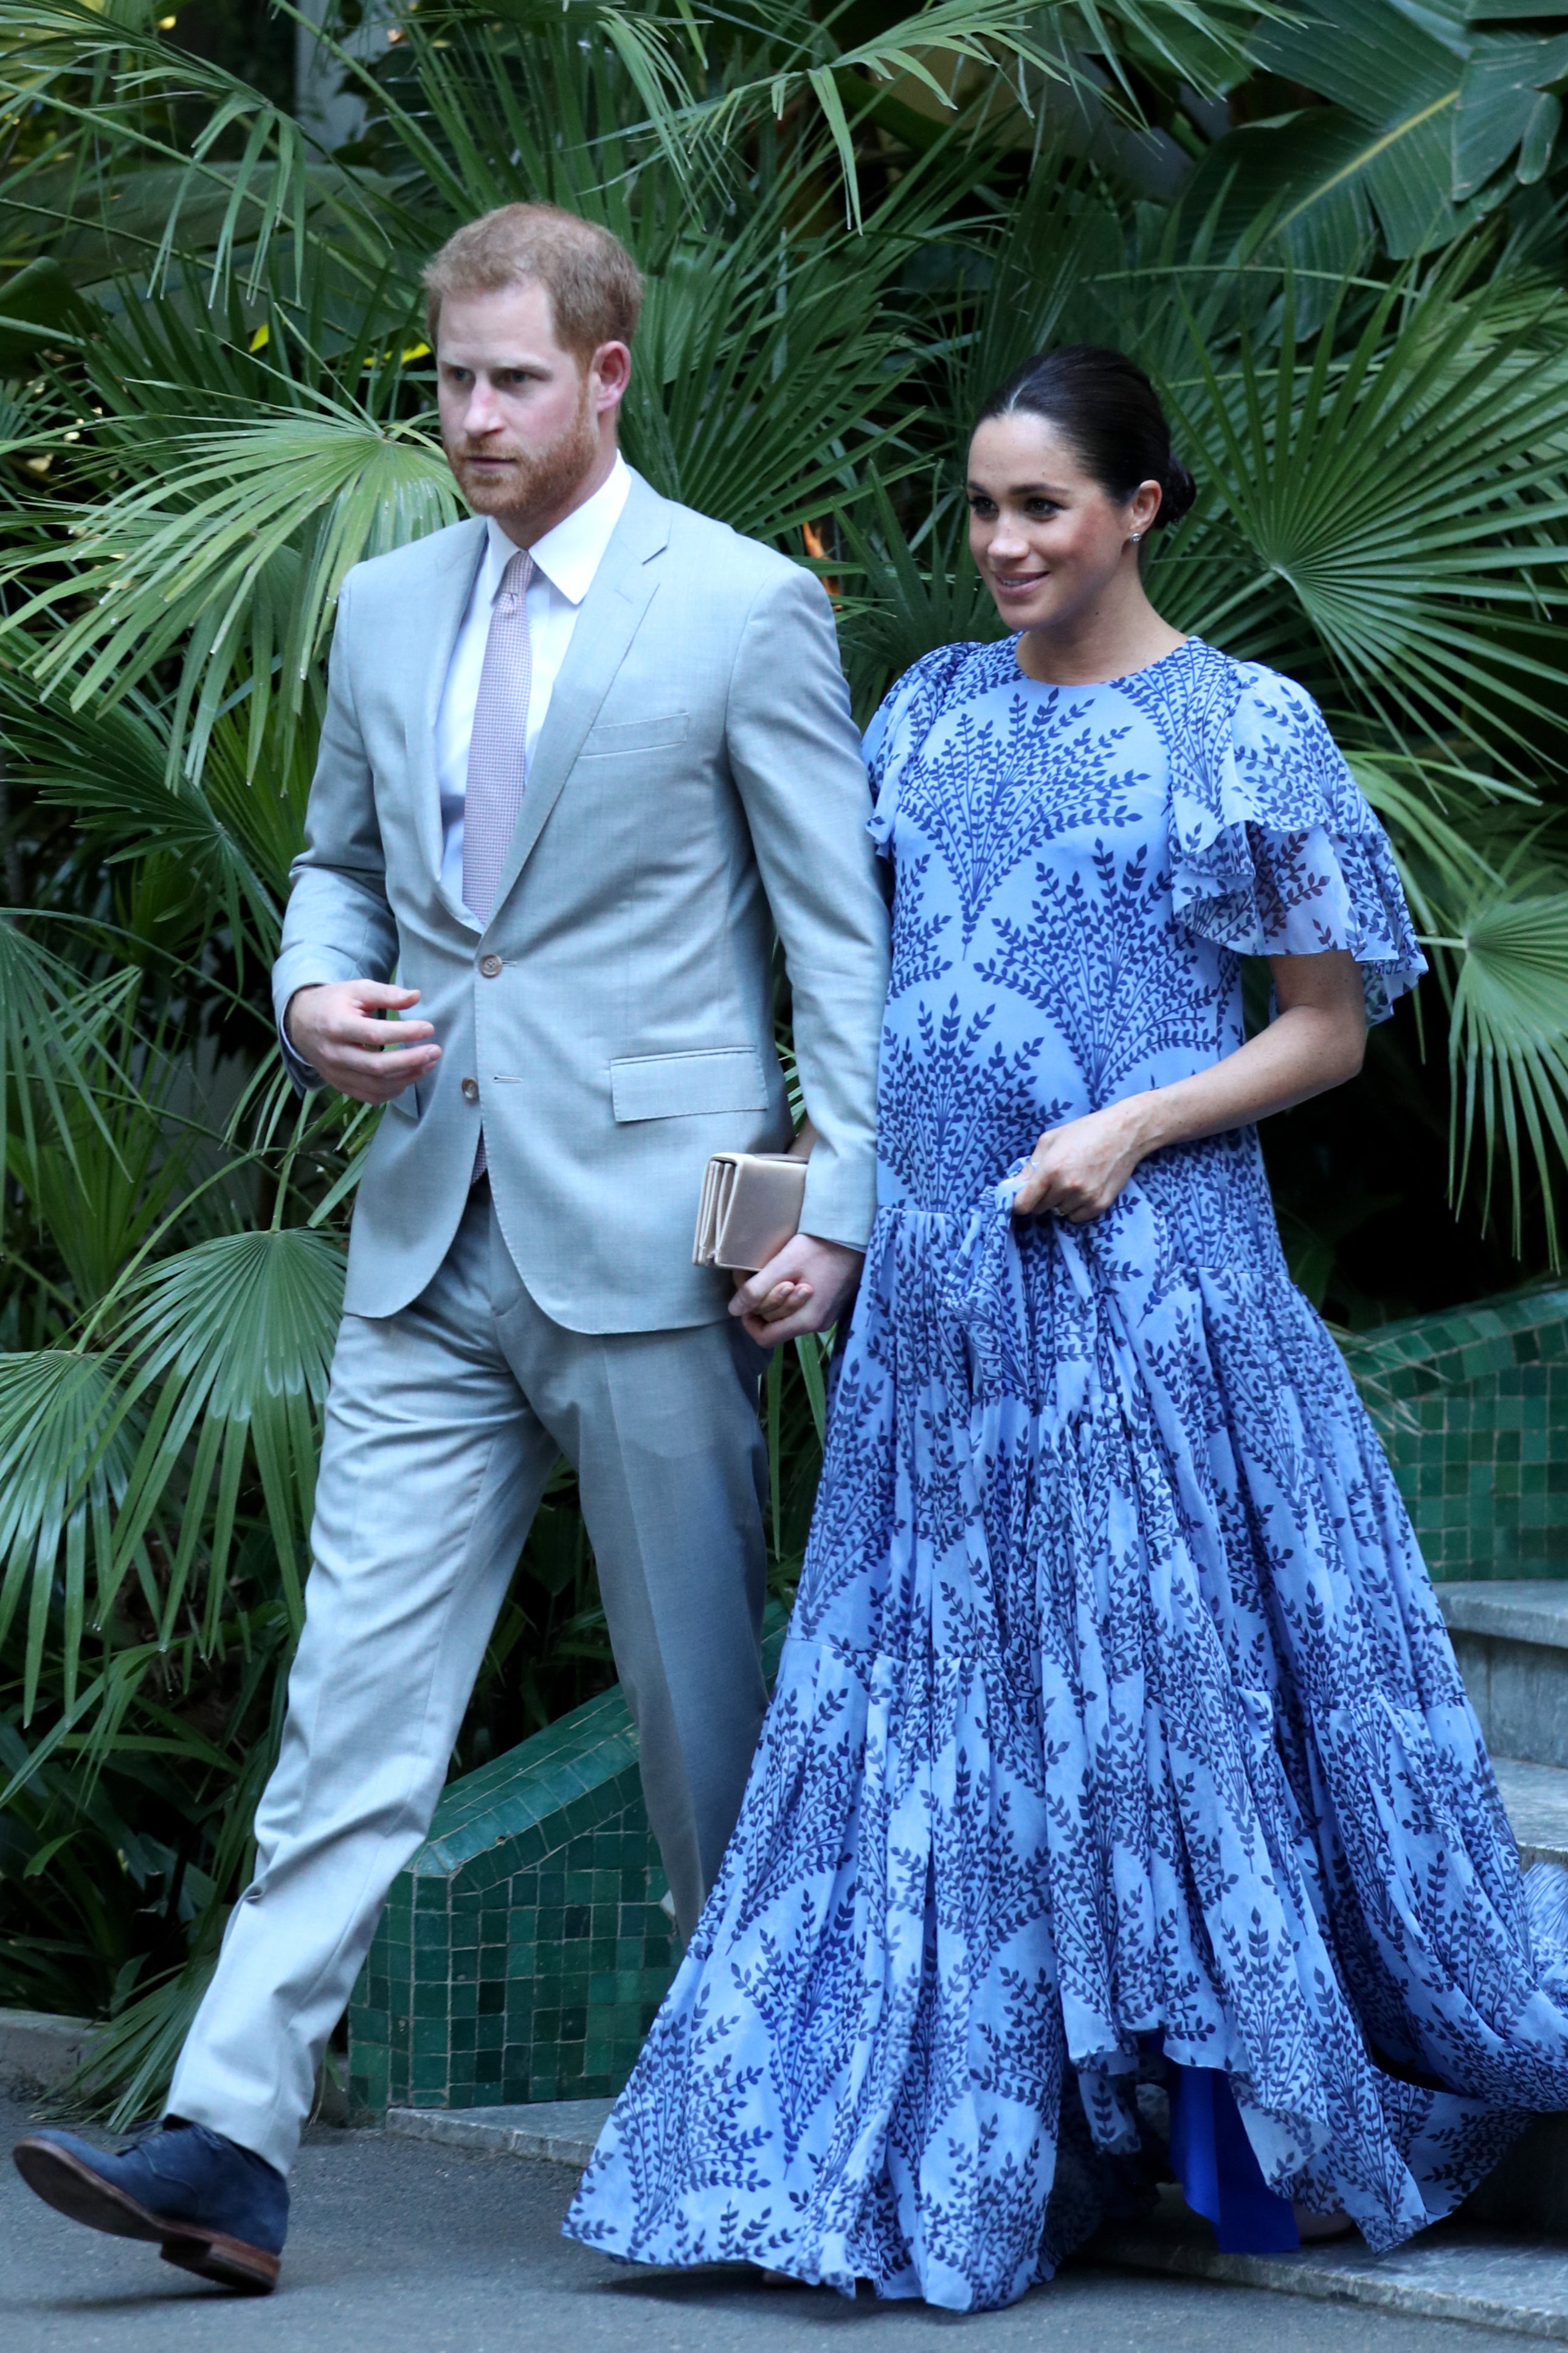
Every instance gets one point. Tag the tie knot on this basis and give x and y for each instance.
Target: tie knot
(519, 571)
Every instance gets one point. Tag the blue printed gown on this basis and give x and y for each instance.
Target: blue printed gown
(1116, 1716)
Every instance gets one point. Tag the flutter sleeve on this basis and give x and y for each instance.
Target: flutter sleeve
(898, 731)
(1275, 850)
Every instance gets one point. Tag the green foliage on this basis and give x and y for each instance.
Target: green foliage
(215, 397)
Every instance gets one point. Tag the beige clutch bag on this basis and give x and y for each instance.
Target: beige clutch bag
(750, 1206)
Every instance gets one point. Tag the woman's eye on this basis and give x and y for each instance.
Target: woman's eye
(1044, 508)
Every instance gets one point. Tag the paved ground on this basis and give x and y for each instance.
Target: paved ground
(404, 2246)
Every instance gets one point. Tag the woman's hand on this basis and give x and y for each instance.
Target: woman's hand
(1079, 1170)
(1315, 1040)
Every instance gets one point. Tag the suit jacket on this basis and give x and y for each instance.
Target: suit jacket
(698, 782)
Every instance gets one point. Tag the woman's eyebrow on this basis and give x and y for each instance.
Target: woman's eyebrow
(1020, 490)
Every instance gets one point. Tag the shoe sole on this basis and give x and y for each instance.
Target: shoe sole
(71, 2187)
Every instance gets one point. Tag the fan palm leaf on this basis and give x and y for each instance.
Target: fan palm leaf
(111, 766)
(238, 541)
(52, 1039)
(106, 78)
(1406, 497)
(229, 1344)
(65, 1460)
(1509, 1045)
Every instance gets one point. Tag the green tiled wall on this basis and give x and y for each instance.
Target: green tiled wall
(523, 1954)
(1473, 1408)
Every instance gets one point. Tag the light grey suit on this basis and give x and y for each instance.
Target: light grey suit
(696, 782)
(698, 769)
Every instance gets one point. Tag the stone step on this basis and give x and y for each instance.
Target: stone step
(1493, 2279)
(1511, 1638)
(1536, 1797)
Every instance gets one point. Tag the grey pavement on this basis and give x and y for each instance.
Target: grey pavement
(410, 2246)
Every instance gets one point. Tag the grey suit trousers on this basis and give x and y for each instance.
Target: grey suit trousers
(443, 1424)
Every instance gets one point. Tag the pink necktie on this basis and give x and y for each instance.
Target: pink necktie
(498, 748)
(497, 752)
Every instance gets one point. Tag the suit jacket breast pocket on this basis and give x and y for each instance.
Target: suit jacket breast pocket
(618, 737)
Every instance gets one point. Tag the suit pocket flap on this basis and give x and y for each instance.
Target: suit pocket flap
(670, 1086)
(634, 735)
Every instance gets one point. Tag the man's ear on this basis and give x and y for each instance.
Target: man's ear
(609, 372)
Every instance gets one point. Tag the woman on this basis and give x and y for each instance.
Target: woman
(1118, 1736)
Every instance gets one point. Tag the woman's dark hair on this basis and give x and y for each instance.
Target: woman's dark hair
(1102, 403)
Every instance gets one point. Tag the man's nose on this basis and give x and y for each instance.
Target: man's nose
(482, 414)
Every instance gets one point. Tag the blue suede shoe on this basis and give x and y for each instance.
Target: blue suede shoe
(212, 2207)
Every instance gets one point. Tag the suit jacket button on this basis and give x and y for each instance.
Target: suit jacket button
(471, 1090)
(489, 966)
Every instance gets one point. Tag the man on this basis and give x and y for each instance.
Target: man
(582, 755)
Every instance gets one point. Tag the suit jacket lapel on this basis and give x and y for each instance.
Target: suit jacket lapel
(439, 618)
(621, 593)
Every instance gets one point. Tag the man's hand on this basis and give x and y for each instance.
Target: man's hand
(806, 1288)
(332, 1027)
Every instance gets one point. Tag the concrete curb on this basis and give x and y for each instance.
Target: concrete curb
(38, 2050)
(562, 2131)
(1490, 2279)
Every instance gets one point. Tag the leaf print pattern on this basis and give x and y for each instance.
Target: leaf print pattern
(1117, 1729)
(918, 955)
(1096, 957)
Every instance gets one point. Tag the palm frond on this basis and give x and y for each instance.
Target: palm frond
(65, 1460)
(908, 586)
(1509, 1047)
(228, 1345)
(52, 1039)
(111, 77)
(236, 540)
(1408, 498)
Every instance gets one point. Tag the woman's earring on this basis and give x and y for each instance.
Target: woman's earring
(1136, 537)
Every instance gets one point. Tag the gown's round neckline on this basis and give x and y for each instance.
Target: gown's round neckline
(1096, 685)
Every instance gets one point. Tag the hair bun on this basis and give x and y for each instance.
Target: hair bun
(1178, 492)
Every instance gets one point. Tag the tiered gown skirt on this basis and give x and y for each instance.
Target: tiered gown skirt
(1142, 1736)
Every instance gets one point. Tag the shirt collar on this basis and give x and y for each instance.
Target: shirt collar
(571, 554)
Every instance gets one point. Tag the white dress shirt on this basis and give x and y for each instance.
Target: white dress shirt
(564, 562)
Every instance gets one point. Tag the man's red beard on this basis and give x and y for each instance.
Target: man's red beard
(536, 481)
